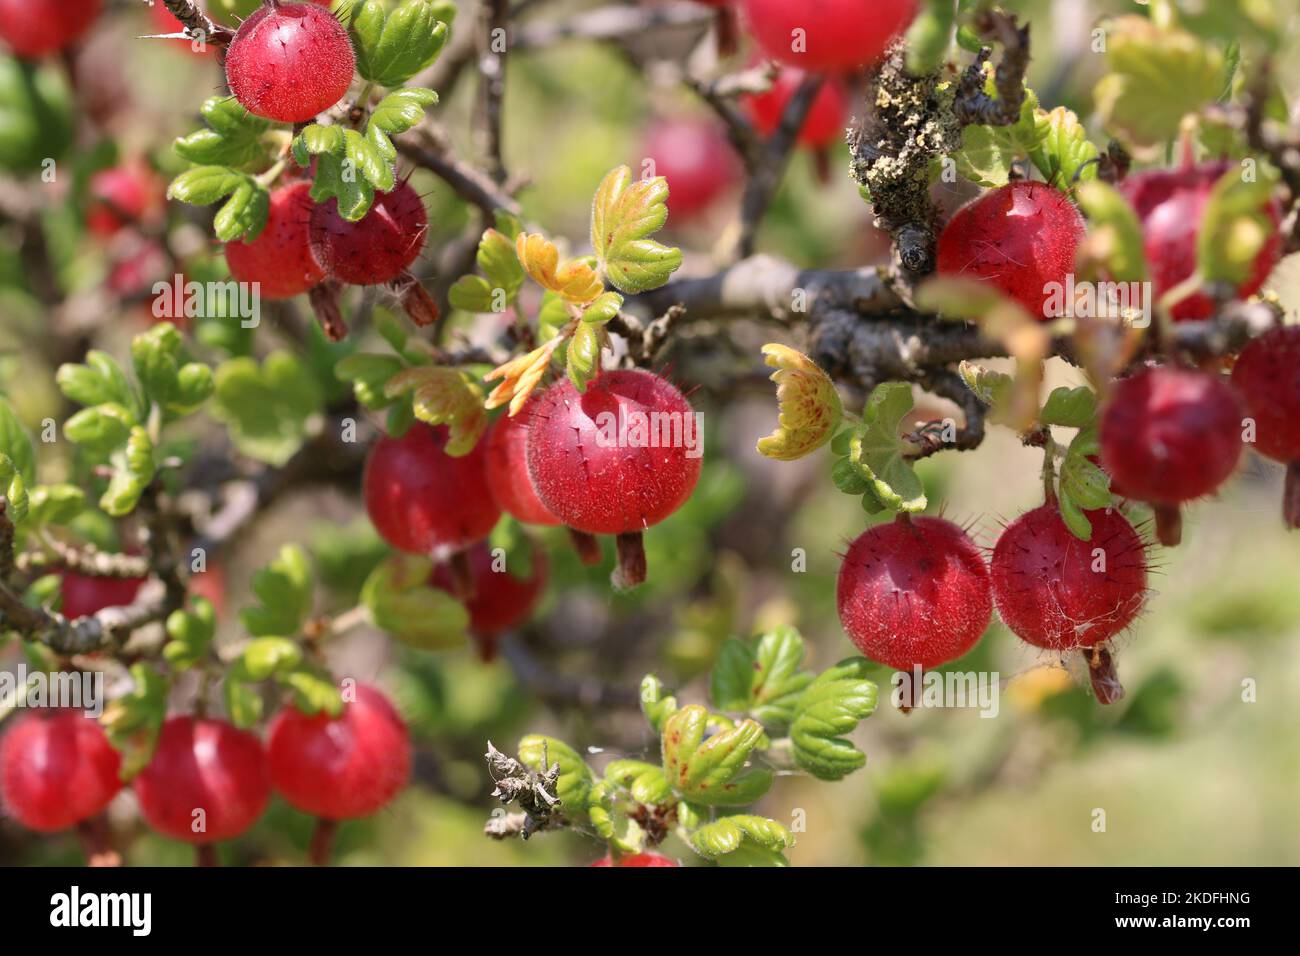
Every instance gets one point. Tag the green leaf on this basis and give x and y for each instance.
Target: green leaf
(100, 430)
(284, 592)
(1114, 232)
(205, 185)
(1084, 483)
(270, 408)
(313, 693)
(244, 214)
(930, 36)
(154, 355)
(573, 788)
(369, 160)
(1155, 76)
(988, 151)
(499, 261)
(233, 139)
(1235, 226)
(655, 704)
(133, 720)
(55, 504)
(265, 657)
(243, 702)
(1070, 407)
(644, 781)
(100, 381)
(444, 396)
(603, 309)
(712, 771)
(401, 603)
(16, 444)
(368, 375)
(1063, 150)
(761, 678)
(14, 490)
(625, 213)
(133, 469)
(191, 634)
(583, 358)
(471, 294)
(830, 709)
(392, 47)
(727, 834)
(610, 819)
(402, 109)
(879, 453)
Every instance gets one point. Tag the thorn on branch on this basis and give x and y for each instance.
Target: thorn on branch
(973, 104)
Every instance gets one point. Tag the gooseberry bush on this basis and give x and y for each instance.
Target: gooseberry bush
(350, 313)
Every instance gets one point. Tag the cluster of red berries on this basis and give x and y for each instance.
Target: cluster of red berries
(549, 465)
(209, 781)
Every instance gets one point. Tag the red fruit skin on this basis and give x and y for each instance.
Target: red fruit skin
(637, 860)
(1267, 377)
(914, 593)
(84, 594)
(36, 28)
(290, 63)
(698, 161)
(340, 768)
(1170, 435)
(500, 600)
(120, 197)
(600, 488)
(377, 249)
(206, 764)
(56, 769)
(827, 118)
(280, 258)
(211, 584)
(507, 469)
(1171, 204)
(1045, 585)
(838, 34)
(1019, 238)
(422, 500)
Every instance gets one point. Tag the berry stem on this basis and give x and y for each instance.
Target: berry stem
(631, 568)
(1291, 496)
(205, 854)
(1104, 675)
(462, 575)
(1169, 525)
(322, 841)
(93, 836)
(587, 547)
(1049, 469)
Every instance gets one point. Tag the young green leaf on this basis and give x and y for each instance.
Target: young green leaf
(402, 604)
(270, 408)
(655, 704)
(761, 678)
(191, 633)
(726, 835)
(646, 782)
(392, 47)
(625, 213)
(573, 788)
(16, 444)
(879, 453)
(712, 771)
(284, 592)
(829, 709)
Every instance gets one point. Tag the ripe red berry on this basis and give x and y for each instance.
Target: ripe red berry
(56, 769)
(498, 599)
(637, 860)
(1267, 376)
(696, 158)
(507, 469)
(290, 62)
(340, 768)
(1170, 435)
(1058, 592)
(280, 258)
(914, 593)
(421, 499)
(827, 35)
(616, 459)
(1171, 204)
(206, 765)
(85, 594)
(35, 28)
(827, 118)
(1020, 238)
(377, 249)
(121, 196)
